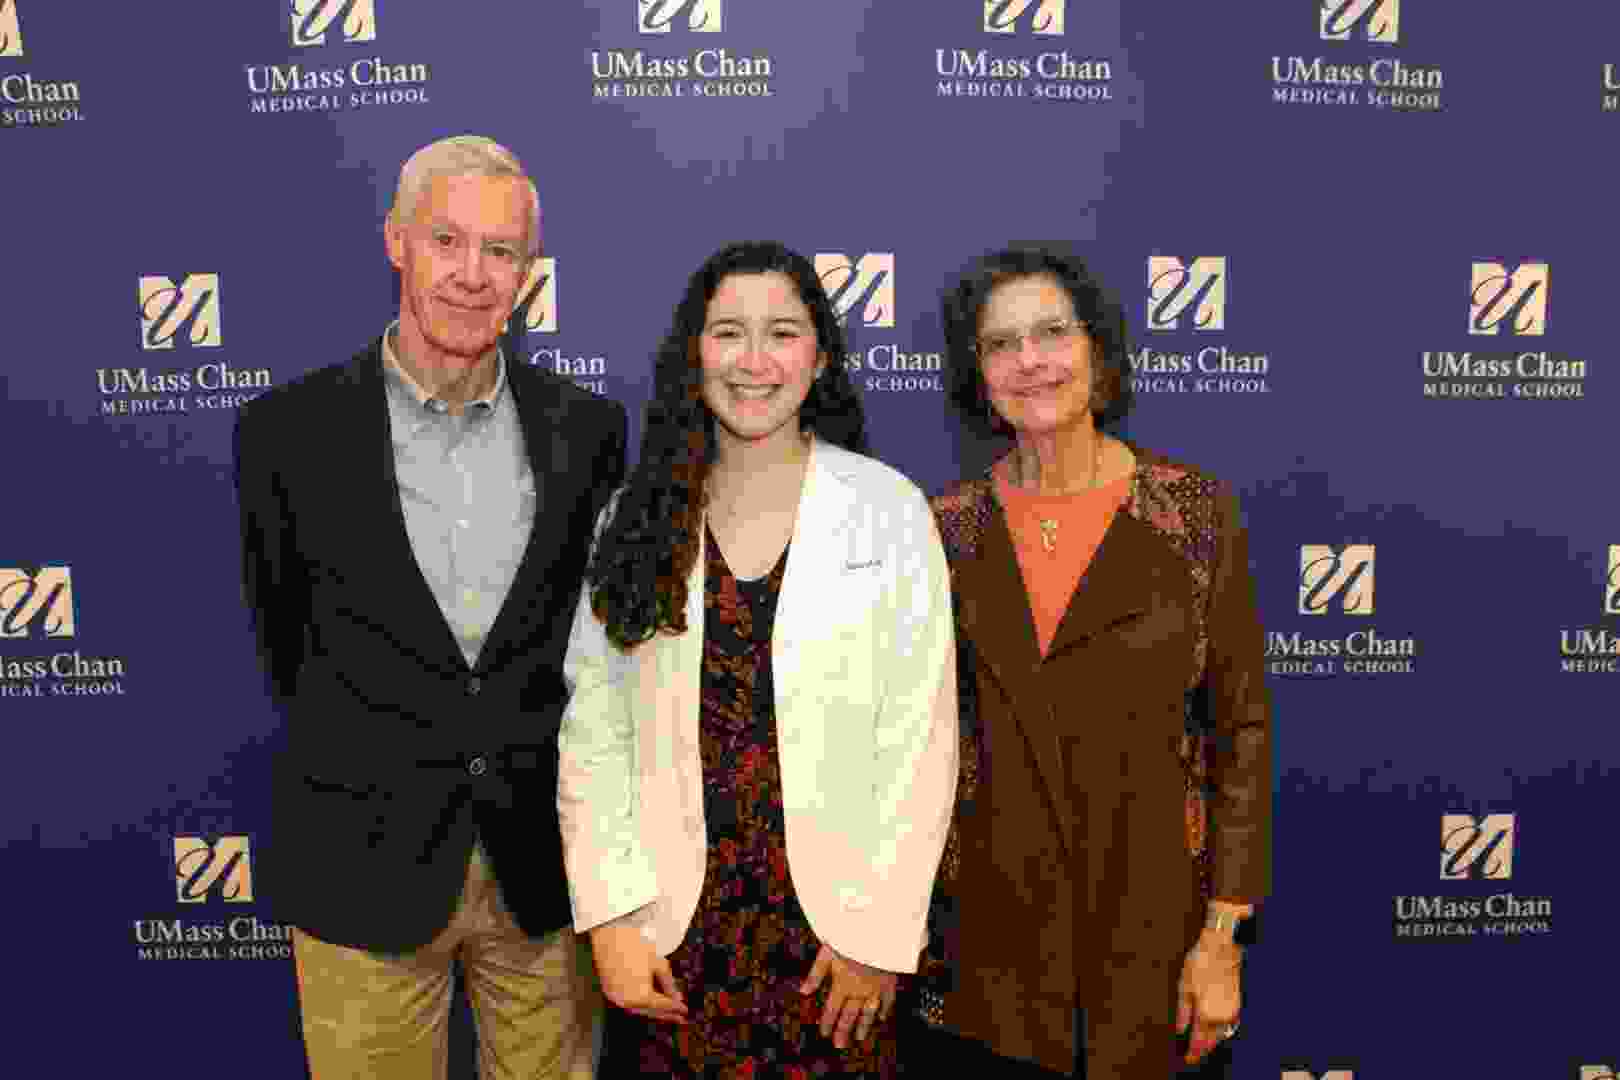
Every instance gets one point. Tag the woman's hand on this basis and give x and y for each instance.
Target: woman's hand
(1210, 994)
(634, 977)
(858, 995)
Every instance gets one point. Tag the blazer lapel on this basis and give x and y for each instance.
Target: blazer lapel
(1118, 585)
(823, 537)
(1114, 588)
(376, 488)
(1122, 581)
(547, 451)
(995, 614)
(994, 605)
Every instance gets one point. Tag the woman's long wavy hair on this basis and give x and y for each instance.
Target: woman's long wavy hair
(637, 575)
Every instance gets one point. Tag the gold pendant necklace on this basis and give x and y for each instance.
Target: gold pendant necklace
(1049, 526)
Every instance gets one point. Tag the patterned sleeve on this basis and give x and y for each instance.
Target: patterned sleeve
(1239, 721)
(935, 975)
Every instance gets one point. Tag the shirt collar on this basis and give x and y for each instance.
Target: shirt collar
(402, 380)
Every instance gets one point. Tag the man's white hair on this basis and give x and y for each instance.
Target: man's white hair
(461, 155)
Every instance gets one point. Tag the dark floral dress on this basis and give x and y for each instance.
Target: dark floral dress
(750, 946)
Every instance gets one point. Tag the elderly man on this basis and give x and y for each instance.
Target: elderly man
(415, 527)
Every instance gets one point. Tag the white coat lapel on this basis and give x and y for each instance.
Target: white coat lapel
(671, 763)
(681, 678)
(815, 561)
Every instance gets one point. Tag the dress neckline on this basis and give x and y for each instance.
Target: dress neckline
(720, 554)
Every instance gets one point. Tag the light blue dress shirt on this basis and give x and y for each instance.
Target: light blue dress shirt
(468, 496)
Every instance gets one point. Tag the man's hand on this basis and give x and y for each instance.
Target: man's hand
(859, 994)
(634, 977)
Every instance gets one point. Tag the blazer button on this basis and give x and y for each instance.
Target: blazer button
(477, 766)
(474, 685)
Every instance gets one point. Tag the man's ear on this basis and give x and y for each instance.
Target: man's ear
(394, 242)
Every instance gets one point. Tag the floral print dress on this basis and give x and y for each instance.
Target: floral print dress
(750, 946)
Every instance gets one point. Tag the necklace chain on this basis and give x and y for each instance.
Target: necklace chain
(1049, 525)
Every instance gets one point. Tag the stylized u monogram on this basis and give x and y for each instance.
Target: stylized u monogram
(200, 866)
(1176, 288)
(659, 16)
(536, 307)
(10, 31)
(1377, 20)
(1003, 16)
(313, 18)
(43, 599)
(188, 311)
(865, 285)
(1466, 853)
(1514, 299)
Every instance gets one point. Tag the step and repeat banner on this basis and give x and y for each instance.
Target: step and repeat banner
(1362, 244)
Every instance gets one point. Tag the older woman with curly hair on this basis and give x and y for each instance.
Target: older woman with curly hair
(1114, 820)
(759, 756)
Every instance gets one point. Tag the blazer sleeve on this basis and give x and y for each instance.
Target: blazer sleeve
(1240, 720)
(274, 579)
(598, 791)
(915, 739)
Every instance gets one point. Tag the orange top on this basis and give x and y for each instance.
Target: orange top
(1053, 558)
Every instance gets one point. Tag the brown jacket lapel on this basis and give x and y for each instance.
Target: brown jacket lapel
(1131, 566)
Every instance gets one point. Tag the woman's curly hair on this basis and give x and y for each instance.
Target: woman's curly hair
(637, 575)
(964, 302)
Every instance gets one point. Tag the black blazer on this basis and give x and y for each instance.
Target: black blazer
(396, 751)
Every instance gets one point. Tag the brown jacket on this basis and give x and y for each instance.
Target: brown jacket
(1110, 788)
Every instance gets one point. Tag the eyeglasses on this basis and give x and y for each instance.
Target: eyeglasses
(1050, 337)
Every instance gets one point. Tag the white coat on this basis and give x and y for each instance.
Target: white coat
(864, 668)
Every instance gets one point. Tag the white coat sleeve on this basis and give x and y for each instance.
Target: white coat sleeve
(598, 792)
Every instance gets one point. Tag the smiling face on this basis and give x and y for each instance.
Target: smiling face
(759, 356)
(1042, 383)
(461, 259)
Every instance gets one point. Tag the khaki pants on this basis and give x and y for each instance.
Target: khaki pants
(385, 1017)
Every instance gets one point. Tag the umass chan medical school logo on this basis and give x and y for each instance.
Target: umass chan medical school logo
(1024, 59)
(1186, 350)
(328, 77)
(1336, 587)
(1596, 646)
(863, 289)
(212, 876)
(26, 99)
(39, 639)
(1355, 62)
(1507, 354)
(180, 320)
(709, 67)
(534, 316)
(1476, 864)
